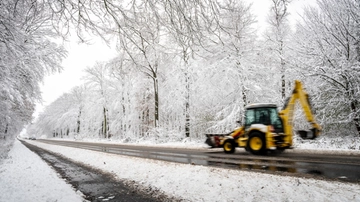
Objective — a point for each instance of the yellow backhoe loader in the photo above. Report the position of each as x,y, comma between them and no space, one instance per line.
266,129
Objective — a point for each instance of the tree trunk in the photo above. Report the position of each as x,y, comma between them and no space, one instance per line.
282,63
283,85
105,124
156,98
187,105
356,118
6,128
244,97
78,123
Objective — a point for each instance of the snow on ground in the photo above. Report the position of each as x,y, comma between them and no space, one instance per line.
25,177
199,183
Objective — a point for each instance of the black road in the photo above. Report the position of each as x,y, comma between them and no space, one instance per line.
96,185
321,166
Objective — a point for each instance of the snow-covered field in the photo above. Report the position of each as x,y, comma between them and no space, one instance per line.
25,177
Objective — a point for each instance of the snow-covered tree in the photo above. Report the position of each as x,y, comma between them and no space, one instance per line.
328,41
97,79
205,51
27,53
229,71
277,41
199,62
141,40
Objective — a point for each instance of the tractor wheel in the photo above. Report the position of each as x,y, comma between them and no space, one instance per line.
229,146
256,143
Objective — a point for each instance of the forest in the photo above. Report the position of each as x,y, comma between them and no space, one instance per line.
183,67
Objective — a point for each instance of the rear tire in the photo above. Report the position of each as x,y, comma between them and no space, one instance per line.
229,146
256,143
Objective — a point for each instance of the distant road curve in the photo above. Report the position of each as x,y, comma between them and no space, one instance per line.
341,167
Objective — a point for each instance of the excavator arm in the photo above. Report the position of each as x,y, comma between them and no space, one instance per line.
287,113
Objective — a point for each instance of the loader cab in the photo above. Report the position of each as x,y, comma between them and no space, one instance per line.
264,114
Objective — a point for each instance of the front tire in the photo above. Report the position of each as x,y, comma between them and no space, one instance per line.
256,143
229,146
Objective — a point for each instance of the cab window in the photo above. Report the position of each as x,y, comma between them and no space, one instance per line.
249,117
258,115
275,120
266,116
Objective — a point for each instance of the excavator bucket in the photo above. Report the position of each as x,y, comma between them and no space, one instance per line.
308,134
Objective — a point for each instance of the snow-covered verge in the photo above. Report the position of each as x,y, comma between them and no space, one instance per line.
25,177
199,183
340,143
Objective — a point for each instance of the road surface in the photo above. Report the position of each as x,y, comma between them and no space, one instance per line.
321,166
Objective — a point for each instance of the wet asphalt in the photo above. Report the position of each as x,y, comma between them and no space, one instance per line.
339,167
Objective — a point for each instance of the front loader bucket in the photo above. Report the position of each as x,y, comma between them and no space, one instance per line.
213,140
209,142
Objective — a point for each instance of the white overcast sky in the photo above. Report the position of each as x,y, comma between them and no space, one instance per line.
81,56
